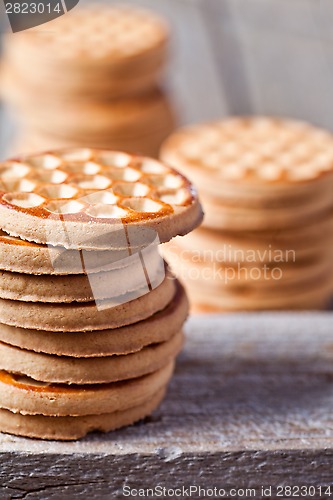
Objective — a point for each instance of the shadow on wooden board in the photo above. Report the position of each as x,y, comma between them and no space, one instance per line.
251,404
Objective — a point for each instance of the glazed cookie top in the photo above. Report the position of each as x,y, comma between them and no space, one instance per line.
252,151
97,33
79,198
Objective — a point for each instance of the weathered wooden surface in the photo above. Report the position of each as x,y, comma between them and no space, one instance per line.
251,404
252,399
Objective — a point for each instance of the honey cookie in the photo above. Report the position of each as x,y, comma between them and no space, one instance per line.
24,395
72,428
66,370
59,198
159,327
88,316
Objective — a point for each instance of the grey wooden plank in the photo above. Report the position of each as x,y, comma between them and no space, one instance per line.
251,404
101,477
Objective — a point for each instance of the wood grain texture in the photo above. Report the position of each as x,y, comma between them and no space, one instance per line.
251,404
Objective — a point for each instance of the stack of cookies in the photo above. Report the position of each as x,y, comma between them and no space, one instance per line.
90,78
91,317
266,187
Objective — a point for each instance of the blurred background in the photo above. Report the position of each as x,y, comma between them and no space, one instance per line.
242,57
238,57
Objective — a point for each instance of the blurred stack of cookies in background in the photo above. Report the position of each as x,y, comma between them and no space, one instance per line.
90,78
90,316
266,188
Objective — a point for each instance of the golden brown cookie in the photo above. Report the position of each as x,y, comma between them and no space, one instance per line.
99,286
24,395
66,370
88,316
95,51
265,185
256,162
313,296
71,428
256,173
121,119
90,199
221,216
146,143
159,327
20,256
307,242
267,277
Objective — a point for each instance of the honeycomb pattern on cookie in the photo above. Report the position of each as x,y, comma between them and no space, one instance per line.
91,184
99,31
261,149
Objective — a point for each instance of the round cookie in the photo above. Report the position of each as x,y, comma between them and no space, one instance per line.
255,162
95,51
108,284
142,143
65,370
159,327
58,198
265,291
266,187
120,120
88,316
26,257
72,428
223,217
315,296
226,246
23,395
230,276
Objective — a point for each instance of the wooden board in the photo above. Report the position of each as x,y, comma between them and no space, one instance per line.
251,404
